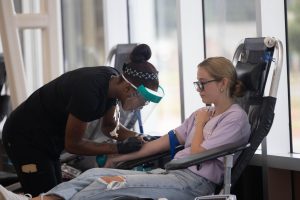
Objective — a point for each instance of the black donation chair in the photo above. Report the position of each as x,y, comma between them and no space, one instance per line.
254,59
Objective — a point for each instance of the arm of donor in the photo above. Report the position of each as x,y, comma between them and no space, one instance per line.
150,148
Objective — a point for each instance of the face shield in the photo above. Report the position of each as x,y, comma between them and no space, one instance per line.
142,97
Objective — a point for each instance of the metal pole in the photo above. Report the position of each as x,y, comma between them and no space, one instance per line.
227,174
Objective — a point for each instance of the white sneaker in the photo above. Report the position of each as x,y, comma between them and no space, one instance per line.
8,195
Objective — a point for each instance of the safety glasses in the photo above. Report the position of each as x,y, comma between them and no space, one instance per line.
199,85
148,94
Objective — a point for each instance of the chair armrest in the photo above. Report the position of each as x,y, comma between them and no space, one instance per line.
133,163
66,157
210,154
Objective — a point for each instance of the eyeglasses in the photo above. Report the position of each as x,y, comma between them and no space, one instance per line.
199,86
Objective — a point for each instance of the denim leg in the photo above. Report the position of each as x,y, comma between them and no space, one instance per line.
68,189
178,184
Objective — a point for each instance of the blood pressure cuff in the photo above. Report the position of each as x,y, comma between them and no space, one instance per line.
173,143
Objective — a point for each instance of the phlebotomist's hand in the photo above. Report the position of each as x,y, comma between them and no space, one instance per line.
129,145
146,138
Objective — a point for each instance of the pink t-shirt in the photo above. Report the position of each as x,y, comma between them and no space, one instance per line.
228,127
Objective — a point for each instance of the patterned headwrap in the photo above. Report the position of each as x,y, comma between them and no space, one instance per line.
142,75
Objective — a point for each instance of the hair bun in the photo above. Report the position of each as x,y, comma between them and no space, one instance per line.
140,53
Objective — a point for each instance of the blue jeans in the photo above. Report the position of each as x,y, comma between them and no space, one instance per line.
176,184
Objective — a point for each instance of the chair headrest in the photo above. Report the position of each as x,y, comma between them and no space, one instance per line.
250,74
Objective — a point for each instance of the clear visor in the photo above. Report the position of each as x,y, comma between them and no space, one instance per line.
135,102
148,94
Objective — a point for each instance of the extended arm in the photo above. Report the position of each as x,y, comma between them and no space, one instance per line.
150,148
76,144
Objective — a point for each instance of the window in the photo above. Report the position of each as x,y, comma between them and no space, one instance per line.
83,33
227,22
293,19
154,22
31,45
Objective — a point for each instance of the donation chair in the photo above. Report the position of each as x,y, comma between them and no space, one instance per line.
254,58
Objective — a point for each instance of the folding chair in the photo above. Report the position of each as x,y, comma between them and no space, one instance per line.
254,59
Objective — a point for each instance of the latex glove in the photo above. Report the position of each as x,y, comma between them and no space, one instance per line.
129,145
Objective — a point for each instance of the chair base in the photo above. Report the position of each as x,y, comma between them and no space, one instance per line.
217,197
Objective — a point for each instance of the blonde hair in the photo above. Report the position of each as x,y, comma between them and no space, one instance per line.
221,67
